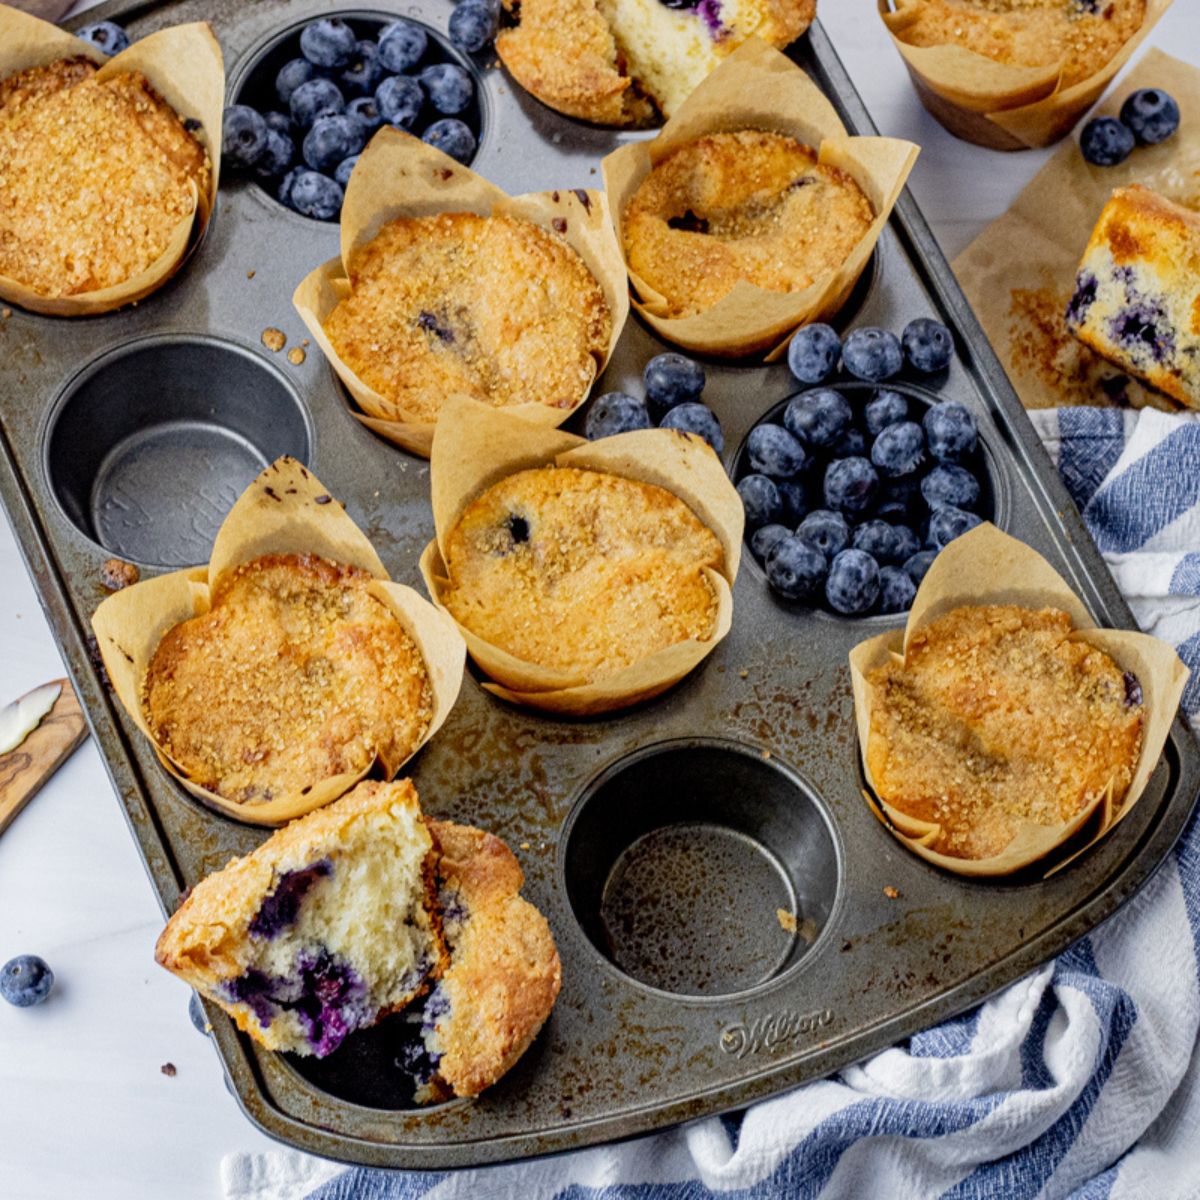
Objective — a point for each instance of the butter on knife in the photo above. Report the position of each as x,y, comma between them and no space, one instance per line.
21,717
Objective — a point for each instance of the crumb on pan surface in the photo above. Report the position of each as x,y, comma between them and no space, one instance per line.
581,570
494,308
996,717
1081,34
297,673
95,177
749,205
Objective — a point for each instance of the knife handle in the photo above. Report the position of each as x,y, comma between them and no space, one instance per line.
25,769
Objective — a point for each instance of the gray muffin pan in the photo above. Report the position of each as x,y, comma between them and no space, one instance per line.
660,842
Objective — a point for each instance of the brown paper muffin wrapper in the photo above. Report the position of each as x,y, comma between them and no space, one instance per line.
400,176
284,511
1000,105
184,65
986,566
757,87
477,446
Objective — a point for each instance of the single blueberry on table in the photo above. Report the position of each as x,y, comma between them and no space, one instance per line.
473,25
851,444
899,450
279,155
291,76
928,345
25,980
950,431
1151,114
315,99
361,75
197,1014
400,99
332,139
365,110
698,419
795,568
883,409
760,501
401,46
879,540
896,590
950,484
105,36
853,583
819,418
851,485
280,122
947,523
343,171
452,137
328,42
671,379
775,452
916,566
813,353
448,87
615,412
315,195
872,354
243,136
763,540
1105,142
827,530
795,504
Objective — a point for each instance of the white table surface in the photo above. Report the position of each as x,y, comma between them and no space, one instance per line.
85,1110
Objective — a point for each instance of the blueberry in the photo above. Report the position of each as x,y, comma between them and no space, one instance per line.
105,36
794,503
473,26
819,418
916,566
365,110
291,76
853,583
315,195
896,590
400,99
696,418
615,412
671,379
813,353
907,543
279,155
765,539
928,345
775,452
950,431
283,193
883,409
1105,141
25,980
328,42
243,136
280,122
947,523
452,137
1151,115
899,449
401,46
448,86
851,444
948,484
872,354
904,496
760,500
361,75
197,1014
795,568
826,530
332,139
879,540
851,485
343,171
315,99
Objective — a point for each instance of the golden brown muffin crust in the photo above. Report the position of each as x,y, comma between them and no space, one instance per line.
748,205
998,716
493,308
297,673
95,177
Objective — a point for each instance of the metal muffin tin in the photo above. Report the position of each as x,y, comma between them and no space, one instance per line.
659,842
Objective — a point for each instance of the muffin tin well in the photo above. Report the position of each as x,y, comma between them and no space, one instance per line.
661,843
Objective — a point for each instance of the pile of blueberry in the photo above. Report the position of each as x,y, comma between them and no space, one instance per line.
673,385
340,90
1148,116
851,490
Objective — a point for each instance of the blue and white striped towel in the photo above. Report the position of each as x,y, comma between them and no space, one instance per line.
1079,1081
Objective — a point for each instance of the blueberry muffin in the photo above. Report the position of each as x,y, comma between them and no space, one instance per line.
580,571
330,925
616,62
997,717
493,308
95,177
297,673
750,206
1082,35
1137,293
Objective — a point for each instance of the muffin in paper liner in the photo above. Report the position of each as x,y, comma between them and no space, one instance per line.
397,176
477,446
1001,105
284,511
184,66
984,567
758,88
